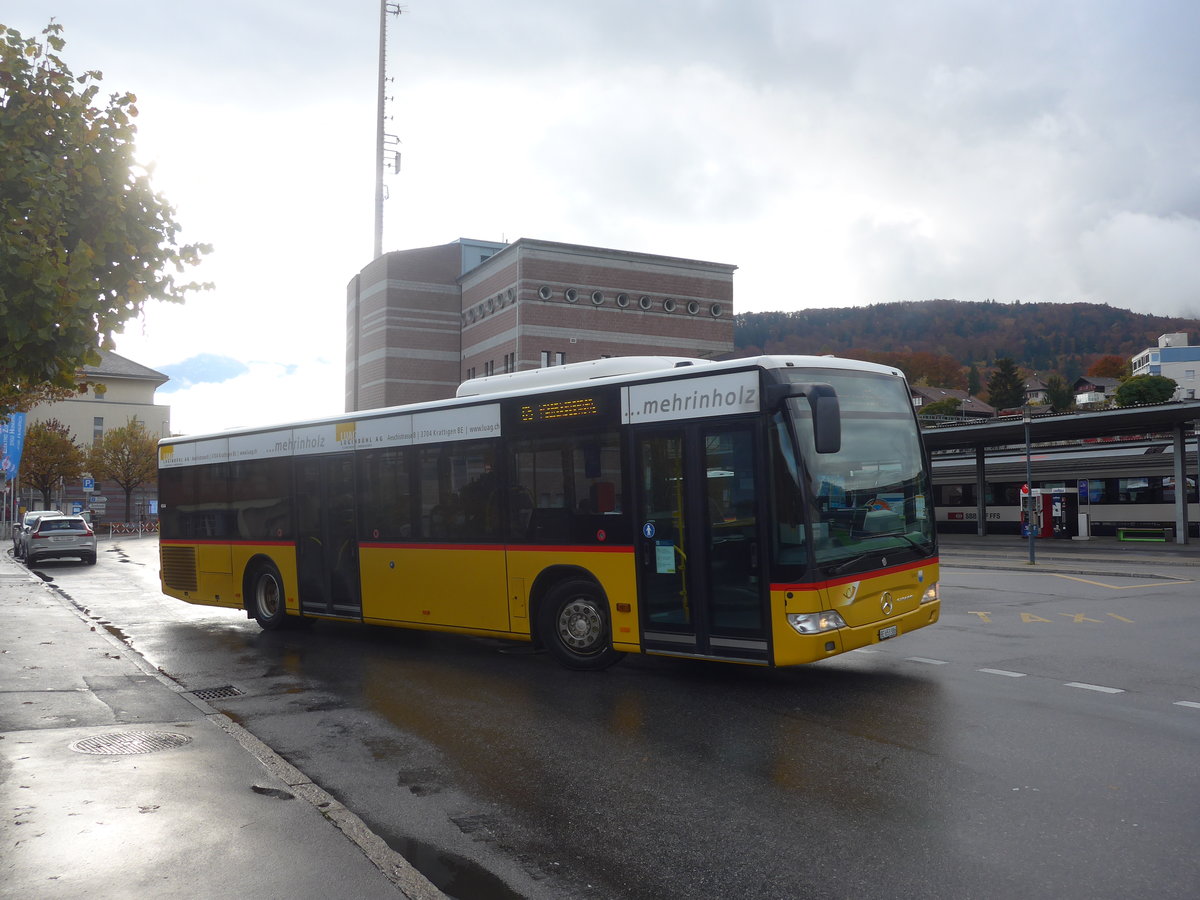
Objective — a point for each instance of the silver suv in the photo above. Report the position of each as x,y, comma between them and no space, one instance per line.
54,537
21,529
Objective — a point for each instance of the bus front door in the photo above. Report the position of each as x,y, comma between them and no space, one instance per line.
327,537
701,586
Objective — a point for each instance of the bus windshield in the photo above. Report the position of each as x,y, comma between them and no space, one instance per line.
869,501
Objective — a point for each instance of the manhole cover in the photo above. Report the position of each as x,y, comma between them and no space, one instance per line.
217,693
129,742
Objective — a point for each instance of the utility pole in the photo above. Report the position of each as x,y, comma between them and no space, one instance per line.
382,139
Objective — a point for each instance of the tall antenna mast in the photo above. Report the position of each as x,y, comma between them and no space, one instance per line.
382,138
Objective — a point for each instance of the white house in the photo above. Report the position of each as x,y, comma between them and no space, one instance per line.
1173,358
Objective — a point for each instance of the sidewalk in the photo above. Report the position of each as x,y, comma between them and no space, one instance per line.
115,783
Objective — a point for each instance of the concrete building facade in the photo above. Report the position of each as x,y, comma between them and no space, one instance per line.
1173,358
119,390
419,322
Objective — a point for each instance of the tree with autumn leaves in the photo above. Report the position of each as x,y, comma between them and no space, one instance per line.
87,242
50,457
127,456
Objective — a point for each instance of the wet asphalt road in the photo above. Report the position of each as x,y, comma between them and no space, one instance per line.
1038,742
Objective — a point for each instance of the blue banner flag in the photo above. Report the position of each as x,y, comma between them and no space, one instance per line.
12,439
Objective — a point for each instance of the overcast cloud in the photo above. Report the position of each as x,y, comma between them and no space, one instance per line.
838,153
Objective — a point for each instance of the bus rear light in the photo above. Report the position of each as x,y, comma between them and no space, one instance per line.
930,594
624,607
816,623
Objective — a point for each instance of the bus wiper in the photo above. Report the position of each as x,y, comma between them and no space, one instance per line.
853,560
839,568
923,546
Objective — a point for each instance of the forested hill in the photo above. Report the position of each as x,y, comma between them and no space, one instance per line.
1041,337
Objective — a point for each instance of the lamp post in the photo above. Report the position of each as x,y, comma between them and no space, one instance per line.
1026,415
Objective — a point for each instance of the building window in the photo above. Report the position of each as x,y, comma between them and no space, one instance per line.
489,367
510,362
470,373
553,358
97,428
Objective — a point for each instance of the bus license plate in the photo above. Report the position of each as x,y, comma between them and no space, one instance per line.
890,632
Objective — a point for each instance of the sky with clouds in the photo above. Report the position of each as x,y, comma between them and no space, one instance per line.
839,153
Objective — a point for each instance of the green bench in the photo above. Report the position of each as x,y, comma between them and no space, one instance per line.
1143,534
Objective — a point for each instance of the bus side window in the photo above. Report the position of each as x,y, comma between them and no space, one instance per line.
460,492
565,489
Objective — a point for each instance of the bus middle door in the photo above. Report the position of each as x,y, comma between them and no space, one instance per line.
701,587
327,536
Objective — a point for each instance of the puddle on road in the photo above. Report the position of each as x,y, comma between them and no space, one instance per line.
118,634
457,877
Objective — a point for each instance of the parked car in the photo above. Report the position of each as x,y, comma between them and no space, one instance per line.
21,529
55,537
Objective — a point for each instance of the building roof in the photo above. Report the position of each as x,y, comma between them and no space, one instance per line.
1096,381
583,251
971,406
115,366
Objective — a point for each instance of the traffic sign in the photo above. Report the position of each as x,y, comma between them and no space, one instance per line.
89,485
1025,489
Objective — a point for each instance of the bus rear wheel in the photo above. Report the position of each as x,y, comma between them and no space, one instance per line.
573,625
266,598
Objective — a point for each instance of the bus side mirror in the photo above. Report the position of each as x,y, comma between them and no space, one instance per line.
826,411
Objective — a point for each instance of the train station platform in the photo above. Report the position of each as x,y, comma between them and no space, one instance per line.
1095,556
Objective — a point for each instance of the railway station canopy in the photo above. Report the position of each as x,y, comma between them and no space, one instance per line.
1159,418
1177,419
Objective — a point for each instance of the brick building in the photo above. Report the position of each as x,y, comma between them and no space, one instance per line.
419,322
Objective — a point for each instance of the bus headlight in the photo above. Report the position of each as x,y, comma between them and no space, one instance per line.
815,623
930,594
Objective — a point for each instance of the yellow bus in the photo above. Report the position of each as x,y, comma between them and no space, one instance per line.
768,511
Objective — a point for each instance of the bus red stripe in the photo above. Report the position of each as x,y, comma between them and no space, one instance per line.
511,548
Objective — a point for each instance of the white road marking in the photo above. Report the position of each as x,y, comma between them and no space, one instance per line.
932,662
1094,687
1192,703
1002,672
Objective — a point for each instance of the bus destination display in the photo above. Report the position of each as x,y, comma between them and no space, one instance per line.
551,410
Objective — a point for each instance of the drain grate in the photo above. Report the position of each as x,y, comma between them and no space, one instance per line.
217,693
130,742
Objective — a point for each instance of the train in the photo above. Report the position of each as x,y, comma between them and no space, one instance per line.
1104,486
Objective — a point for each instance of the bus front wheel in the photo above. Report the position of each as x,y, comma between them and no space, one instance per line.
573,625
266,598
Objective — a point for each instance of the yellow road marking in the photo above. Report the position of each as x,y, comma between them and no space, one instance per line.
1120,587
